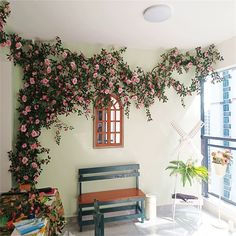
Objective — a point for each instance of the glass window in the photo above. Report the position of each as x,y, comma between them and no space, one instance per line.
219,112
108,125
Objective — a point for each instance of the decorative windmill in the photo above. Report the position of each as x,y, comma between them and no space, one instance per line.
186,139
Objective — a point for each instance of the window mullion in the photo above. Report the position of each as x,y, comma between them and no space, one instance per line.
109,125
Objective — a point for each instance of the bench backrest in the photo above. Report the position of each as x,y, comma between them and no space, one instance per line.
108,172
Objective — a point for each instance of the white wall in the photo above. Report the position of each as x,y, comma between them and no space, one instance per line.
228,50
5,123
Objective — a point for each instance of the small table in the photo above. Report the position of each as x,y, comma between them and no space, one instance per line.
16,205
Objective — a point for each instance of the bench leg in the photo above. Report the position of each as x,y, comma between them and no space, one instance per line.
99,223
80,219
142,211
137,207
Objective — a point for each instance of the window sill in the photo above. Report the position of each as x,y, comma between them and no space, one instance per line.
228,211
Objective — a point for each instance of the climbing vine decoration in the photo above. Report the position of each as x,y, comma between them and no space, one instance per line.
59,82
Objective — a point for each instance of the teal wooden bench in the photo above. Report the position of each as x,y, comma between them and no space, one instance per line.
110,200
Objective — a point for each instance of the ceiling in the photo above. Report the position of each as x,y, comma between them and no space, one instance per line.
120,22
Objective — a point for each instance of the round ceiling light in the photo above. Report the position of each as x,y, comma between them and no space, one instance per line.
157,13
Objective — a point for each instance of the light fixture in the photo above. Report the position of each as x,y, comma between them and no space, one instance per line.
157,13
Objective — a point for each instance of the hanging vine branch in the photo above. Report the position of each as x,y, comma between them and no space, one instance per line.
59,82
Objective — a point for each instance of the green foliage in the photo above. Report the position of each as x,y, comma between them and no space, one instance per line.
188,171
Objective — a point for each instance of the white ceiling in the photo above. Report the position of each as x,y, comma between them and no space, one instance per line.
120,22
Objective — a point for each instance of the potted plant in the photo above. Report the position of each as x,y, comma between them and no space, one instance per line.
220,160
188,171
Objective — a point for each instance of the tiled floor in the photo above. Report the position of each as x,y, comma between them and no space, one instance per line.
187,223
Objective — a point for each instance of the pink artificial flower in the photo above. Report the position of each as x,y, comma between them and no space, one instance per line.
112,71
126,98
84,66
151,86
209,68
152,92
109,56
178,87
74,81
8,42
18,45
95,75
36,177
73,65
120,90
28,109
44,97
79,99
64,54
59,67
23,128
26,177
47,62
24,98
32,80
96,67
65,103
136,79
36,107
49,70
44,81
128,81
25,113
107,91
3,44
37,121
34,165
110,84
34,133
190,64
33,146
134,97
24,160
24,145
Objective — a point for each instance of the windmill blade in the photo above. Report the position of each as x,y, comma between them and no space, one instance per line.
198,153
178,129
195,129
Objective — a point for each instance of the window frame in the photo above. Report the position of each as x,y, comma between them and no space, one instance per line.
109,121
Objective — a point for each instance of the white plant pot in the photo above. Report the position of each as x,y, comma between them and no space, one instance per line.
220,170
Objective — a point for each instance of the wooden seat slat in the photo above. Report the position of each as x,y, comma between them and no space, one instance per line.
111,195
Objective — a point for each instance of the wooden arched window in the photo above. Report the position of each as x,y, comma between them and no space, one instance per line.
108,125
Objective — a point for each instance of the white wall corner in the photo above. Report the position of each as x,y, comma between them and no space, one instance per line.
5,123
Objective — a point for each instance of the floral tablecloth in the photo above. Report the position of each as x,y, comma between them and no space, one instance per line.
18,206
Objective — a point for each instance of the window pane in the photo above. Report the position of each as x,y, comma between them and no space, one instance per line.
117,115
113,115
220,114
99,127
113,140
99,115
104,115
105,138
99,138
113,126
117,126
117,138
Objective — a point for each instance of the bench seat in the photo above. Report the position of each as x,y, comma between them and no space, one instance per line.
111,196
127,202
